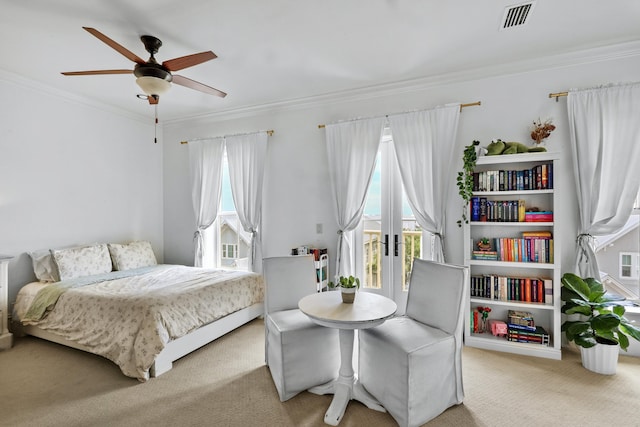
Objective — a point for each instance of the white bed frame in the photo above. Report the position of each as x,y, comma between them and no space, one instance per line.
175,349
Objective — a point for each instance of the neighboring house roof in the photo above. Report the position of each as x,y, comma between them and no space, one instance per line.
230,221
603,242
614,287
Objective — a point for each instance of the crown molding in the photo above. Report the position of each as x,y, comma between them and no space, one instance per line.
68,96
563,60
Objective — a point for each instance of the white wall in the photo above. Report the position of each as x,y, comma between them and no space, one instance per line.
296,193
71,173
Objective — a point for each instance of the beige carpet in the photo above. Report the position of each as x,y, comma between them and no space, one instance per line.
227,384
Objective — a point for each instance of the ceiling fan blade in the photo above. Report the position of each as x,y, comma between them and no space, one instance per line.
94,72
114,45
192,84
176,64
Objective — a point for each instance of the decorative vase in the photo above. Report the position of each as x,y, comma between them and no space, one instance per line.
484,325
348,295
601,358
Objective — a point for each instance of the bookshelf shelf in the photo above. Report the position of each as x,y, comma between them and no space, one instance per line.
513,304
535,265
507,283
511,224
512,192
489,342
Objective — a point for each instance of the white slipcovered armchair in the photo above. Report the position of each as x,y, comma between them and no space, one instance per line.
413,363
299,353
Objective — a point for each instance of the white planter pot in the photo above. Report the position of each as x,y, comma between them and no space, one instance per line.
601,358
348,295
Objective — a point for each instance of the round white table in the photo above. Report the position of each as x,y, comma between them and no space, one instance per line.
327,309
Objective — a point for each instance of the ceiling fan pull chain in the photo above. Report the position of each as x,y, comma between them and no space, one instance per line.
155,126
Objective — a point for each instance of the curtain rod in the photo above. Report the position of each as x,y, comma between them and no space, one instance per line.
269,132
471,104
558,95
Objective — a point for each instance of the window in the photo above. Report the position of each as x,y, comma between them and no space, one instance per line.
229,250
618,257
629,265
227,243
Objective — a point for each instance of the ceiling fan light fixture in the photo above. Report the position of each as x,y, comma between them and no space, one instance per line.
153,85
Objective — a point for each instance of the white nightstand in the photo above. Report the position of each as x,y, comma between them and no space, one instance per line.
6,338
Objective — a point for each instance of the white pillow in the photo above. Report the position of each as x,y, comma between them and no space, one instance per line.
44,266
82,261
132,255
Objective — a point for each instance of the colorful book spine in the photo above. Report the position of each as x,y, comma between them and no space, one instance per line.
475,208
505,288
537,178
546,216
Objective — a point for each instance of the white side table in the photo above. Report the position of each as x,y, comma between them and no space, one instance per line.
327,309
6,338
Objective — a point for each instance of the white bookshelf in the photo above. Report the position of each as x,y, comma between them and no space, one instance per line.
545,315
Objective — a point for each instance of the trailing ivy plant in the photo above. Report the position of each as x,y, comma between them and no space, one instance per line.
465,178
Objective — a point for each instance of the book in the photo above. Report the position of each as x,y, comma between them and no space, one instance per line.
521,211
544,216
548,291
538,335
475,208
516,326
527,289
476,323
537,233
483,209
529,340
485,255
517,317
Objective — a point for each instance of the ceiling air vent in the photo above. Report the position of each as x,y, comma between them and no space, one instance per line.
516,15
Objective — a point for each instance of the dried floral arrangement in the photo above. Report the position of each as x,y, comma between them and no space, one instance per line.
541,130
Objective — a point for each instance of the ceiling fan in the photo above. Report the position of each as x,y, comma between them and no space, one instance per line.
154,79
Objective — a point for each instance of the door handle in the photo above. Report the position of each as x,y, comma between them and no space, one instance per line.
395,245
386,245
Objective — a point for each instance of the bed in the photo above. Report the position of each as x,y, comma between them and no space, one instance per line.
139,314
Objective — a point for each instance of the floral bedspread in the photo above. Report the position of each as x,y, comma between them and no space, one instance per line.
129,320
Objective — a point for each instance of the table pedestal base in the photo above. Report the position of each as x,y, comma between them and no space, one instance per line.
346,387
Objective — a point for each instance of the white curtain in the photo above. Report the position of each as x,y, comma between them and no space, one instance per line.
424,142
246,155
351,149
605,144
205,170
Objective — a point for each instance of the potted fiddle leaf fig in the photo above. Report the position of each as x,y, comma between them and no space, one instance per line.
601,326
348,286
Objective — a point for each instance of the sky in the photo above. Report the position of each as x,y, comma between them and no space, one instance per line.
374,200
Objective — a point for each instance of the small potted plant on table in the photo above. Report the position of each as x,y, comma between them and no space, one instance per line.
348,287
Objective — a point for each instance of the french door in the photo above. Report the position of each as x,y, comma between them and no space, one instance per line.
388,237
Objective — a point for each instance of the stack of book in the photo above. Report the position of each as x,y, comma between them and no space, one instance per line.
485,255
538,216
521,328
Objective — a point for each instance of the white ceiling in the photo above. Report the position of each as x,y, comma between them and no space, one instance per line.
279,51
